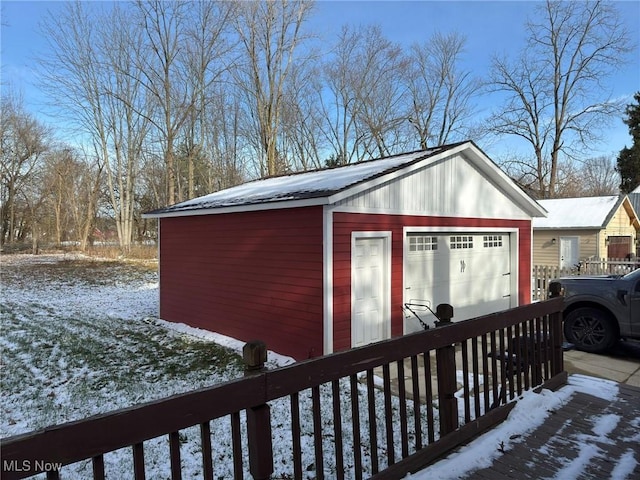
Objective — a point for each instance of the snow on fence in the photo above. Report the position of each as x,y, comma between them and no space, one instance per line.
542,275
380,411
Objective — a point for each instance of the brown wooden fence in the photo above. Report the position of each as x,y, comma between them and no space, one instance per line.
541,275
378,411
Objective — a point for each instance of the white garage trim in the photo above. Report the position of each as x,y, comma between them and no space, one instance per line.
327,280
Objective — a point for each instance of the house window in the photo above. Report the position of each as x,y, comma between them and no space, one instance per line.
422,243
490,241
460,242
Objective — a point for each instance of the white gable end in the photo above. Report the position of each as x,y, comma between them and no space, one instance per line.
452,186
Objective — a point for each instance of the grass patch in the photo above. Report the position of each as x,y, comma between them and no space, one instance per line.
79,338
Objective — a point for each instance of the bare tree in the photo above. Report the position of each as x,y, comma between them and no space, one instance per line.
223,140
164,74
94,74
183,42
362,104
555,99
34,199
73,186
598,176
302,140
338,98
440,93
379,91
207,57
59,173
23,141
270,33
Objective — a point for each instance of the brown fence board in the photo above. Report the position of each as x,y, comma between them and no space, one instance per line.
97,465
207,454
174,455
295,434
373,428
337,429
355,415
317,432
138,461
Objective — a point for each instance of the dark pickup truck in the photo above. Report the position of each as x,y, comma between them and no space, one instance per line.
600,310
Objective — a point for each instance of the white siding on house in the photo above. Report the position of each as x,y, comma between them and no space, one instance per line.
450,187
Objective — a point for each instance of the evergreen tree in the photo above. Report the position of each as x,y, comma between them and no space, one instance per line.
629,158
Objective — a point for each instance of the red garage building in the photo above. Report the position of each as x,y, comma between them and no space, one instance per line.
322,261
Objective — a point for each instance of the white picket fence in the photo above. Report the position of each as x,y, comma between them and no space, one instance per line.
541,275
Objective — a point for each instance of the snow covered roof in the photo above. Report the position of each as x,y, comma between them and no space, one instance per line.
297,186
326,185
579,213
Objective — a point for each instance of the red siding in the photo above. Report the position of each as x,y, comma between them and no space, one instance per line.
249,275
345,223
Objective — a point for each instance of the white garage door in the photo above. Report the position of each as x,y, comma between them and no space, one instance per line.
471,271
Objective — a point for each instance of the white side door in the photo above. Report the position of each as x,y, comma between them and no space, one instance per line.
569,252
370,290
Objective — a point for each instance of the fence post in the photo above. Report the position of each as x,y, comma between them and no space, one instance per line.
258,418
446,371
557,358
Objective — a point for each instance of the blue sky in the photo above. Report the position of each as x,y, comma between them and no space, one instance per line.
490,27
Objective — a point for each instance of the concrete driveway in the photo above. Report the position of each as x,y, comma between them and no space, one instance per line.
621,364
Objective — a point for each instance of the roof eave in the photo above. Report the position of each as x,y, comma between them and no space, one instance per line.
594,227
245,207
628,206
611,213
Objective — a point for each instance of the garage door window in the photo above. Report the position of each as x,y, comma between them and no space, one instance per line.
490,241
422,243
460,242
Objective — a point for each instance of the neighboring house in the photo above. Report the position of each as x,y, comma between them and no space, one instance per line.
322,261
576,229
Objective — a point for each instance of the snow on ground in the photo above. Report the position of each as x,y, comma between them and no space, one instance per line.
78,338
530,412
273,359
81,337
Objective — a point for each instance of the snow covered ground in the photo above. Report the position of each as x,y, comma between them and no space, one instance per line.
81,337
530,412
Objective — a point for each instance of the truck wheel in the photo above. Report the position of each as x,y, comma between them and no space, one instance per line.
590,329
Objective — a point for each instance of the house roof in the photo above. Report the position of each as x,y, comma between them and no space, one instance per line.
329,185
582,213
634,198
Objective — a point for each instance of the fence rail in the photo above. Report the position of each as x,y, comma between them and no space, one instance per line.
541,275
608,266
380,411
